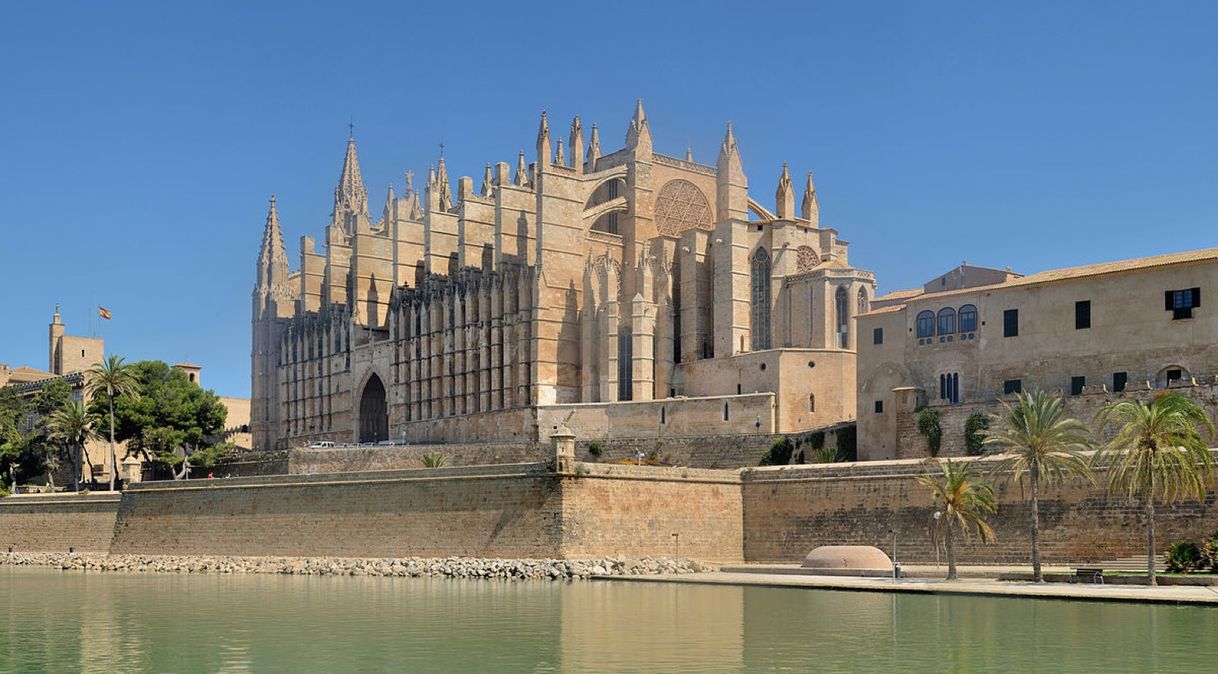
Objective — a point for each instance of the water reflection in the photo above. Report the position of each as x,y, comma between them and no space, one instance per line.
207,623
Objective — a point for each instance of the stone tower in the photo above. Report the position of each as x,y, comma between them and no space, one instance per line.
272,304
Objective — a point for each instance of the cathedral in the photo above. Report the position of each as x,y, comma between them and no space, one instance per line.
619,294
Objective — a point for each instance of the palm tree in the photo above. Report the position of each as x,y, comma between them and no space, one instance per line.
1035,437
1158,452
113,378
73,426
965,500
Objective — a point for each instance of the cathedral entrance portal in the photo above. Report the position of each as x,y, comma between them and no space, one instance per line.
373,412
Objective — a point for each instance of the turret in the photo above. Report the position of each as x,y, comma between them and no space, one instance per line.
732,199
350,196
272,278
487,181
784,197
810,209
594,149
638,134
522,171
576,145
443,187
544,151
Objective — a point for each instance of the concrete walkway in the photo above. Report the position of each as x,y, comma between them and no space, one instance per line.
1204,596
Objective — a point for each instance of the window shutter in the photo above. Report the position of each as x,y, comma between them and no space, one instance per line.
1196,297
1167,303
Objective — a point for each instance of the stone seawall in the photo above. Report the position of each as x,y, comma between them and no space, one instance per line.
84,522
793,509
315,460
488,511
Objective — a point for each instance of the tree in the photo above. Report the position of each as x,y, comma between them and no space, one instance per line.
113,379
965,501
1036,438
12,442
173,422
1158,452
44,451
72,425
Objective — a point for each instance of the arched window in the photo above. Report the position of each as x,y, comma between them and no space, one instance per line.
862,304
968,318
811,402
947,321
926,324
843,317
760,298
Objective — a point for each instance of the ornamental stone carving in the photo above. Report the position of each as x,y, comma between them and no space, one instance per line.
681,206
805,259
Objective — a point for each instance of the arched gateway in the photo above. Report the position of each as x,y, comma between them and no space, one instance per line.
373,412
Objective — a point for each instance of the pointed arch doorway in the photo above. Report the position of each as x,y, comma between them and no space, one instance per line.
373,412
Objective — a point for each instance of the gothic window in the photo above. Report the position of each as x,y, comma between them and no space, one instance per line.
625,360
607,223
760,299
968,318
680,206
947,321
843,317
805,259
862,304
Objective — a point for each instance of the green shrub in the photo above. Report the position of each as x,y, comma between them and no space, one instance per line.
434,460
779,453
1209,553
1183,556
928,425
974,432
596,449
827,455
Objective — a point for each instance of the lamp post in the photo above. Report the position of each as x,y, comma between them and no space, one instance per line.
896,569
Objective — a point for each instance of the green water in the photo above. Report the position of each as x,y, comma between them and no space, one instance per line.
71,621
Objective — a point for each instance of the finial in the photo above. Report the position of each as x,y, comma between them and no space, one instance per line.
409,181
272,201
57,307
689,153
441,149
351,129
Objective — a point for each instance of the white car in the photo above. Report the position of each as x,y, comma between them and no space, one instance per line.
324,444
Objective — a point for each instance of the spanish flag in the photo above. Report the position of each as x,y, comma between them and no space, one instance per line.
103,312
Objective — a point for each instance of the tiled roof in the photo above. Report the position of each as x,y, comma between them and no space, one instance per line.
1064,274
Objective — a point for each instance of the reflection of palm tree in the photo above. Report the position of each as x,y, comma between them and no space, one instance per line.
965,500
113,378
72,425
1158,452
1036,437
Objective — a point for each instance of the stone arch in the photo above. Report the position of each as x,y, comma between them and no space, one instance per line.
887,371
1169,374
373,410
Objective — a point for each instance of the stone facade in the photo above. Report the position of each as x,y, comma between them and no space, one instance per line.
57,522
565,287
972,336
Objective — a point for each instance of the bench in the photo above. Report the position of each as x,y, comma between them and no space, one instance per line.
1089,574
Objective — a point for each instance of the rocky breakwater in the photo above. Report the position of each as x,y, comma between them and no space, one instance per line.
408,567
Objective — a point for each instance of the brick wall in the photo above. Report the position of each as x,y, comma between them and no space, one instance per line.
789,511
56,522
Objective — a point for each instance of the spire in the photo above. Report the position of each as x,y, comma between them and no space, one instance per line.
350,197
732,199
387,214
560,157
446,193
784,197
543,142
522,171
576,144
639,133
594,149
810,209
272,258
689,154
729,154
486,181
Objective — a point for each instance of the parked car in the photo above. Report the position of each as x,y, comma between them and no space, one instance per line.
324,444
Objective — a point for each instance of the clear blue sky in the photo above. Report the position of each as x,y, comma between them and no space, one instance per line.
139,141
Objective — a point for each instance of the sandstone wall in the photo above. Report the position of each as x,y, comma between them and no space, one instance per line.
57,522
631,511
791,510
717,415
313,460
493,511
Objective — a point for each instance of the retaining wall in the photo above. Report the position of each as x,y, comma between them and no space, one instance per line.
57,522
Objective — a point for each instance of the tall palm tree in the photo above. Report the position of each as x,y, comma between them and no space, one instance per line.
73,426
113,378
966,501
1158,452
1036,438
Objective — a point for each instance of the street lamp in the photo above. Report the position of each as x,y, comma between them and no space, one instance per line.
896,568
938,514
